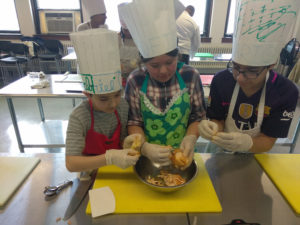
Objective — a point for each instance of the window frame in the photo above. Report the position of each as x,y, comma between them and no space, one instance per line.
227,38
207,20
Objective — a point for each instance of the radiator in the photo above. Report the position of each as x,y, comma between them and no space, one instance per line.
216,49
210,66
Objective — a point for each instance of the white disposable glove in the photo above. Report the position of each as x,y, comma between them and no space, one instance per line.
207,129
188,146
157,153
131,138
121,158
233,141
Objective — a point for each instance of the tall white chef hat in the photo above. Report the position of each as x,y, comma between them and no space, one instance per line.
122,22
179,8
98,57
262,28
151,25
93,7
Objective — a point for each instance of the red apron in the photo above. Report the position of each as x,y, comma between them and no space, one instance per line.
96,143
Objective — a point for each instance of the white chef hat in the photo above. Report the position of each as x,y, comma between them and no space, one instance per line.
262,28
179,8
122,22
98,57
93,7
151,25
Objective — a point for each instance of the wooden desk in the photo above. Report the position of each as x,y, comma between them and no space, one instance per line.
22,88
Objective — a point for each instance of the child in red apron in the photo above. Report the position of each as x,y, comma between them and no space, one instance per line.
97,127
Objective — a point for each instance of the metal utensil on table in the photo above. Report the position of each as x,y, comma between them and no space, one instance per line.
145,168
54,190
79,190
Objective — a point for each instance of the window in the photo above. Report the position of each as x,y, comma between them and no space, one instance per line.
200,6
112,14
58,4
229,26
200,10
9,15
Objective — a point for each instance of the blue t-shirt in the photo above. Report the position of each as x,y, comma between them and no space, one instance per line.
280,103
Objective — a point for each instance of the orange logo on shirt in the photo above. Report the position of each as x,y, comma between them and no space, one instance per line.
267,110
245,110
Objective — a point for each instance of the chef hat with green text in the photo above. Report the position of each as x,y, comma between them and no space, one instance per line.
98,57
262,28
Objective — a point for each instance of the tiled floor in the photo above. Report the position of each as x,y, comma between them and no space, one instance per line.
52,131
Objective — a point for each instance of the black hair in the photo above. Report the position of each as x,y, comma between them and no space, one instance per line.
122,34
190,8
172,53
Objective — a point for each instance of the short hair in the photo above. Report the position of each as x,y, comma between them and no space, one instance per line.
190,8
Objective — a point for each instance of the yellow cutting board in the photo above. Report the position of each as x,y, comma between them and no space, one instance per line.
133,196
13,171
284,171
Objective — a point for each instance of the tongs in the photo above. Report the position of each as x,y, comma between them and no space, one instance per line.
54,190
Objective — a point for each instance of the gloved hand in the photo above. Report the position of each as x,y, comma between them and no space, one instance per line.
157,153
188,146
233,141
207,129
121,158
128,141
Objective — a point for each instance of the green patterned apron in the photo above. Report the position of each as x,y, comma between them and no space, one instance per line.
168,127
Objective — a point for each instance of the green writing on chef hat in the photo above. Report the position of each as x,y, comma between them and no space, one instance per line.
88,83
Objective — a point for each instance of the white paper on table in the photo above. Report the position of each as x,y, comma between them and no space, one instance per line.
102,201
262,28
151,25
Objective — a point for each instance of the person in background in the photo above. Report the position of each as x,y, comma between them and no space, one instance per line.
188,34
98,126
165,97
295,73
250,105
129,53
97,14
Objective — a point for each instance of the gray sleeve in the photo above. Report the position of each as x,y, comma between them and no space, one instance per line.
123,110
76,132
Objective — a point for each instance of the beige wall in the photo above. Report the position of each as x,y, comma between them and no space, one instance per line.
25,17
219,13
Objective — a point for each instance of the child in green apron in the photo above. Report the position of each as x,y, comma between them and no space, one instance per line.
165,97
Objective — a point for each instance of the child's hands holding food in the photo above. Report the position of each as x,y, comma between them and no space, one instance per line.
207,129
157,153
122,158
